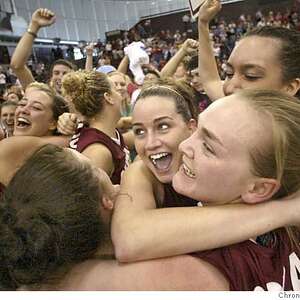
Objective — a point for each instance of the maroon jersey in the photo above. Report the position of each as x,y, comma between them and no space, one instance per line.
249,266
2,187
173,199
86,136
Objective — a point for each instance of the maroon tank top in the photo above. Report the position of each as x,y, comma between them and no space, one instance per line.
86,136
249,266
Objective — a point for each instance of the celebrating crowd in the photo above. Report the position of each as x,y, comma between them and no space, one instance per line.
176,171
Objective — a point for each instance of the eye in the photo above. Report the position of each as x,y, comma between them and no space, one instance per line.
229,74
21,103
207,148
37,107
138,131
251,77
163,126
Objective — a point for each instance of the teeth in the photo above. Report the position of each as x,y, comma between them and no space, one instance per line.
20,119
188,172
154,157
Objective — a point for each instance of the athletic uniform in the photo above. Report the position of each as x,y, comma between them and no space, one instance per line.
86,136
249,266
173,199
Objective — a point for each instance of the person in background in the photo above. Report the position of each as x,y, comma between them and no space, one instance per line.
42,17
7,116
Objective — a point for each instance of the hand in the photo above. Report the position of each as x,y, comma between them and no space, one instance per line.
42,17
125,123
67,123
208,10
110,191
89,49
190,46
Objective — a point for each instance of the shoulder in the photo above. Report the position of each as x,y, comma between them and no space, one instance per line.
182,272
138,172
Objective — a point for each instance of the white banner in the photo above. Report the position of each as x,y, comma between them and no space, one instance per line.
196,4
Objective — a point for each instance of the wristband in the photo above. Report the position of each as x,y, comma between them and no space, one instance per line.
32,33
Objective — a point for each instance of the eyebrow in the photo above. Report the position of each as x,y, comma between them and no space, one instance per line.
246,66
155,121
211,136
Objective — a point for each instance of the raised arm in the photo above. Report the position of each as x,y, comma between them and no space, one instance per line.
89,56
140,231
208,69
40,18
123,66
188,48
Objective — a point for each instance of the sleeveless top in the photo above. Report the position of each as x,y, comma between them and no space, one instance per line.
173,199
86,136
249,266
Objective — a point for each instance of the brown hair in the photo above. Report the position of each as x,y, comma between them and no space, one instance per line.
281,159
52,223
86,89
59,105
289,52
178,91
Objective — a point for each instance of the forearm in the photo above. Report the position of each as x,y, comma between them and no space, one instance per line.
89,63
123,66
21,55
172,231
208,69
170,68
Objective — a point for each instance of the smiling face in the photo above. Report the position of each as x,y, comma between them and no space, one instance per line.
254,64
58,73
158,130
217,164
8,116
34,114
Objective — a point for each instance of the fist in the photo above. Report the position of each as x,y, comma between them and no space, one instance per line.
43,17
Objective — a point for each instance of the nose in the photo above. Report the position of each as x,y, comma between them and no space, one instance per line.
24,109
231,85
186,146
152,142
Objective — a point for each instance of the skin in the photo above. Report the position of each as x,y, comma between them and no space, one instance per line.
13,97
218,154
120,84
250,68
158,128
36,108
196,81
58,73
8,116
253,63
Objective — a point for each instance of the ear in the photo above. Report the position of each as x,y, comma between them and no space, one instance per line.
108,204
108,98
293,87
192,125
261,190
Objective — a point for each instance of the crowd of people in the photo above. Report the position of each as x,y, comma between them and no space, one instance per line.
160,172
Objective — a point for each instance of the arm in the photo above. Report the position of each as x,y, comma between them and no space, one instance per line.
208,70
123,66
100,156
89,57
188,47
136,221
40,18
